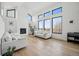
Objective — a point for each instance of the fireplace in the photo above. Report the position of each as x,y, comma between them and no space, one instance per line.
22,30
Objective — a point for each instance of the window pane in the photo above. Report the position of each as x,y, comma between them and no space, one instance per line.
57,22
57,11
29,17
40,26
47,24
48,14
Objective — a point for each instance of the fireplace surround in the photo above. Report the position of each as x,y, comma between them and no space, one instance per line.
22,30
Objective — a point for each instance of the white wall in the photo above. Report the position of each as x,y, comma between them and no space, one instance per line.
6,6
70,12
20,21
2,28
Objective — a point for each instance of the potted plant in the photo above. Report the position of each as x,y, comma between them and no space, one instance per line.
9,52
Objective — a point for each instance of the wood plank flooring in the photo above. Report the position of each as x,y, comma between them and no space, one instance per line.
52,47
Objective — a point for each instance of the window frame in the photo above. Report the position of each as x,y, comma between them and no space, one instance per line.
13,11
56,9
38,25
47,12
40,15
53,25
30,16
50,23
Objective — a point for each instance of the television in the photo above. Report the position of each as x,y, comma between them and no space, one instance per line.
22,30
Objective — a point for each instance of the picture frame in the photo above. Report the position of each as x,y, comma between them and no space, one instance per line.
11,13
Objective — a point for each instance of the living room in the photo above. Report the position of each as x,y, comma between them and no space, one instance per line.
30,26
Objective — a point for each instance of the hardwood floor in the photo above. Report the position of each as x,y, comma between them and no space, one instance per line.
52,47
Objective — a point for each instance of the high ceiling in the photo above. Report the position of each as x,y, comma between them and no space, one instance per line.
32,7
35,7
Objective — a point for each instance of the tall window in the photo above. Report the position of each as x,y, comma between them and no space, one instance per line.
56,21
41,24
29,17
57,11
47,24
57,25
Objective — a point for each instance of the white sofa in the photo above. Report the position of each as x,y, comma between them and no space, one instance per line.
42,34
13,40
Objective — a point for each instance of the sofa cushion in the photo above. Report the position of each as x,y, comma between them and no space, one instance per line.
7,37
